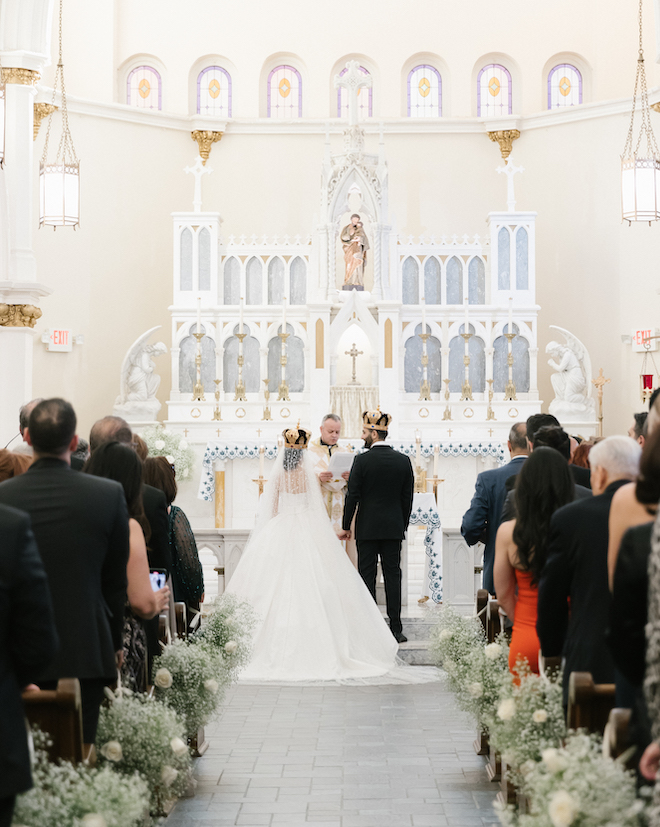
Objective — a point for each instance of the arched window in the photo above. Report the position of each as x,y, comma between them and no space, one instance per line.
144,88
295,362
284,93
365,98
432,281
214,92
185,259
494,92
412,363
275,280
454,281
232,285
564,86
503,259
253,285
477,281
520,350
204,259
298,281
410,281
187,367
424,92
522,259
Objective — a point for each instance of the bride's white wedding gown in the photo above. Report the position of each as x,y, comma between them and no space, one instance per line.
316,618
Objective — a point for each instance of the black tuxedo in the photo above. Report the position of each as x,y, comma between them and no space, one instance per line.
27,644
576,569
381,482
155,510
80,523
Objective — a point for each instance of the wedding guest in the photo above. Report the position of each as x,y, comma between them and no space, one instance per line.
543,485
187,573
118,462
23,416
140,447
80,456
81,527
650,761
581,455
28,643
637,429
482,519
576,568
13,464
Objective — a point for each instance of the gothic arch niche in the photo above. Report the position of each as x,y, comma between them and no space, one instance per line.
354,335
295,364
355,203
412,363
520,350
477,362
354,313
250,366
187,369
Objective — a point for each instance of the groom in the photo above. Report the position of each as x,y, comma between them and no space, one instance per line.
382,483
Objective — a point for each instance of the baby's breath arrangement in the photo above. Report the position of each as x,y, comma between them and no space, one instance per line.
228,630
65,795
485,672
453,641
138,734
177,450
577,785
192,681
527,719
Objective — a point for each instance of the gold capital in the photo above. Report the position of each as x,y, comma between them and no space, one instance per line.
41,111
505,138
26,77
656,106
19,315
205,139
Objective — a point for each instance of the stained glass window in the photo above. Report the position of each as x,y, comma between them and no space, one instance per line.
284,93
143,88
214,92
365,98
564,86
424,92
494,92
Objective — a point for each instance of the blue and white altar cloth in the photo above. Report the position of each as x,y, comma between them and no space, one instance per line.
249,449
425,512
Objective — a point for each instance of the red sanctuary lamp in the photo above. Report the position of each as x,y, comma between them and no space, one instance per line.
645,377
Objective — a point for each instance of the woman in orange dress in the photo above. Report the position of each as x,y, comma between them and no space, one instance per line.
543,485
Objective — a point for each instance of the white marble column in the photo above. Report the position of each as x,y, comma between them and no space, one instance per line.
15,377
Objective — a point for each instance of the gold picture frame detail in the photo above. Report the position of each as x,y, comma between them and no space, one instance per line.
240,412
195,413
285,413
513,412
423,412
468,413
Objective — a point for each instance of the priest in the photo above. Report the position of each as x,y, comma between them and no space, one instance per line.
333,489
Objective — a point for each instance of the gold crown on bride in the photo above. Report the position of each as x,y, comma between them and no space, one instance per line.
296,437
376,421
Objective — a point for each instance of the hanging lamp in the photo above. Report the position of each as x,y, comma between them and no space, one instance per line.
640,166
59,180
646,376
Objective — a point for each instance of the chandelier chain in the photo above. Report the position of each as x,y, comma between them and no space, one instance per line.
641,89
66,153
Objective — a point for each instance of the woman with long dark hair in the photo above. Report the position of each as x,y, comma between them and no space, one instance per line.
543,485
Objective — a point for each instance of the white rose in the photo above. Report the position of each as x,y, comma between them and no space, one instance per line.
168,775
553,759
159,444
493,651
539,716
94,820
184,473
183,444
112,751
563,809
170,459
163,678
230,647
445,634
476,690
211,686
178,746
506,709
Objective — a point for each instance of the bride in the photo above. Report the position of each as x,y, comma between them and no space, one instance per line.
316,618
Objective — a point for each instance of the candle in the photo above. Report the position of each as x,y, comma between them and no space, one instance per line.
262,450
467,324
418,453
423,315
510,314
199,315
280,441
436,460
284,314
240,316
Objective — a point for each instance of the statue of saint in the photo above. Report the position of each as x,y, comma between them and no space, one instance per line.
355,243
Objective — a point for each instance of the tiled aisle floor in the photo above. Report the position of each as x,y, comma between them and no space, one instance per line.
338,756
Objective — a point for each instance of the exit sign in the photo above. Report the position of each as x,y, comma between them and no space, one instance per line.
642,341
59,340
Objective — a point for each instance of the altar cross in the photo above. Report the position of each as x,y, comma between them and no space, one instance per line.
353,80
510,170
198,170
354,353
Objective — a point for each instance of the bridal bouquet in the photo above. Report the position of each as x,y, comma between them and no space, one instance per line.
576,785
176,449
65,795
228,630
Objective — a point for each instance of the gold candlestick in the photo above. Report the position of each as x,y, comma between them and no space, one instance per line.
600,381
266,397
425,387
283,391
436,482
239,391
198,389
447,412
466,393
510,390
261,481
420,480
490,413
217,415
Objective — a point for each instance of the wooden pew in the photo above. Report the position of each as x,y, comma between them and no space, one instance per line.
181,613
493,625
616,738
58,712
589,703
481,746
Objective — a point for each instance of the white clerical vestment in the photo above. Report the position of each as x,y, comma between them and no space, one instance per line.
333,492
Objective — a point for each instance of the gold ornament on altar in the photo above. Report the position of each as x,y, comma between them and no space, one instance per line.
490,413
266,414
198,390
217,415
447,412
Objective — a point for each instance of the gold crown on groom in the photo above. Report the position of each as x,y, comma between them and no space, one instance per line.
296,437
376,421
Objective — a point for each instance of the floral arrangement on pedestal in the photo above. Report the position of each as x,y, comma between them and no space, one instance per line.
65,795
176,449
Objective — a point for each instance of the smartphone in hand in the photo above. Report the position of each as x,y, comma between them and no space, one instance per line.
158,578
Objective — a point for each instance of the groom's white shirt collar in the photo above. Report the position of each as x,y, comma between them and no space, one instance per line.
379,442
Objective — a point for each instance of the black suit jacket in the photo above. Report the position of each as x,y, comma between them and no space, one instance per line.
509,508
483,517
381,482
155,510
80,523
576,568
27,641
581,476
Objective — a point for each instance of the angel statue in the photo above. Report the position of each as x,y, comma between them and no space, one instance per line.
139,384
572,380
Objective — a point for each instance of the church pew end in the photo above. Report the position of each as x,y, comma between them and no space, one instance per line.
589,703
198,743
481,606
616,738
493,627
549,667
181,613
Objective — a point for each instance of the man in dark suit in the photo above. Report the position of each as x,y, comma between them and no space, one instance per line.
381,482
28,643
80,524
483,517
576,568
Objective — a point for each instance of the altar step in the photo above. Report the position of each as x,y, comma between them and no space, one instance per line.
418,622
